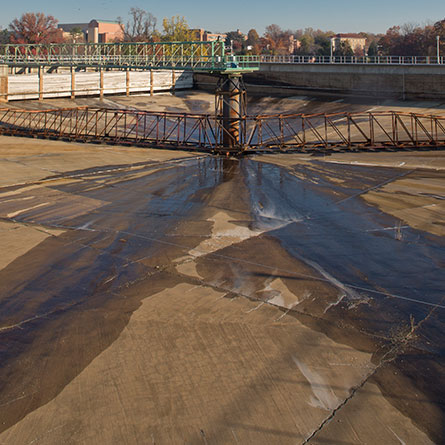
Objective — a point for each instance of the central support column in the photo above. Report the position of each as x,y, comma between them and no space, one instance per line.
231,110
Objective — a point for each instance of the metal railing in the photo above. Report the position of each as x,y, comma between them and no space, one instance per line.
207,56
181,55
367,130
349,60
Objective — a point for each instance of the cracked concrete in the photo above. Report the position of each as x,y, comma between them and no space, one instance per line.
171,311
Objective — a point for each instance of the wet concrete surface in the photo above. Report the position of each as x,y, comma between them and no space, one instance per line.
198,299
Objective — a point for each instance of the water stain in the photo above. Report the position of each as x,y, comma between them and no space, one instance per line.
251,229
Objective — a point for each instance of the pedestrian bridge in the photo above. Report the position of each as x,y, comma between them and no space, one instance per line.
205,132
196,56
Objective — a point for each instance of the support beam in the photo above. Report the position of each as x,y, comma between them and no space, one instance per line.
40,71
73,83
127,82
3,83
173,81
231,109
101,83
151,83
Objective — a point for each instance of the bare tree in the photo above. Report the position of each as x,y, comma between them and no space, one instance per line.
140,28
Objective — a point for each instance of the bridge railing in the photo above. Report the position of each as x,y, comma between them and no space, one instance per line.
181,55
349,60
366,130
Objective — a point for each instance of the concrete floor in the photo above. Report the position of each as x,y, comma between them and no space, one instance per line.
149,296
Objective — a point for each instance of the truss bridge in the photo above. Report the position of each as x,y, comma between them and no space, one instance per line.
210,133
196,56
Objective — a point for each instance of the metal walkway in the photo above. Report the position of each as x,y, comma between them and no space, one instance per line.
372,130
196,56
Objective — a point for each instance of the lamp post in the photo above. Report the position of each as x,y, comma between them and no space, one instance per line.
332,48
438,48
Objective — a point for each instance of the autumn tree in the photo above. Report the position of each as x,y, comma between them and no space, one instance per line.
175,29
276,40
439,30
35,28
140,28
235,40
412,40
253,42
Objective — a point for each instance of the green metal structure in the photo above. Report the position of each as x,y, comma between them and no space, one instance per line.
196,56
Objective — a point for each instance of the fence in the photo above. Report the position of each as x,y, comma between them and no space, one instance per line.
349,60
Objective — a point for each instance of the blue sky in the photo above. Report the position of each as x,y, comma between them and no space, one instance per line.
335,15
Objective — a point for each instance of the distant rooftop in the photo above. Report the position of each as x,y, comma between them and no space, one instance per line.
105,21
350,36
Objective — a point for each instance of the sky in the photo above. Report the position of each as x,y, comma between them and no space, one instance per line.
333,15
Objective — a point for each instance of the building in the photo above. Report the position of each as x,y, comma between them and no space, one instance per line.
104,31
213,37
74,32
96,31
356,42
206,36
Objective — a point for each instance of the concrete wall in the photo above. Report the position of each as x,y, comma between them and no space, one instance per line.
31,86
403,82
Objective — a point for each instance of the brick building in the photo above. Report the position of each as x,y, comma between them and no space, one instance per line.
96,31
207,36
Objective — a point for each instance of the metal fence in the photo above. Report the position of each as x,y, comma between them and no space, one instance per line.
371,130
349,60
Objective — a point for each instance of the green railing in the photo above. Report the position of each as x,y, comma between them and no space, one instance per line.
205,56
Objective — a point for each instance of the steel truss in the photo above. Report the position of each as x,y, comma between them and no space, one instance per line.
184,55
342,131
205,56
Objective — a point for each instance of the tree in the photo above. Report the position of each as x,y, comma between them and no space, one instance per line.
306,45
322,43
344,49
253,37
373,49
77,35
35,28
277,40
140,28
4,36
253,42
176,29
439,28
235,40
